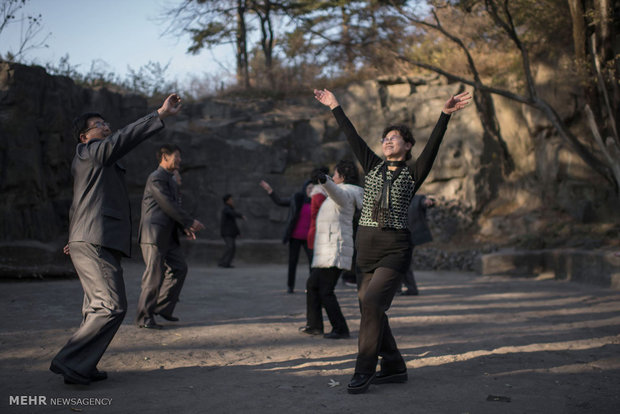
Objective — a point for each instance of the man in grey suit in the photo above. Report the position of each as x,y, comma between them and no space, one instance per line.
162,216
100,234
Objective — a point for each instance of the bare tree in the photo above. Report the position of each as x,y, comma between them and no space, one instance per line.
264,10
31,29
500,13
211,23
342,32
483,100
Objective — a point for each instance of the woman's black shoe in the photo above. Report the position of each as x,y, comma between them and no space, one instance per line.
310,331
382,377
359,383
336,335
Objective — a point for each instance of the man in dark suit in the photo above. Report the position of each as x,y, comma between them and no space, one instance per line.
229,230
420,234
161,218
100,234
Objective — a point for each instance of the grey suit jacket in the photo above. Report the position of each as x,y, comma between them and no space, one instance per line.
100,209
162,214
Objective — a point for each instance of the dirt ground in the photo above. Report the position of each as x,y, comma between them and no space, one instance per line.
472,344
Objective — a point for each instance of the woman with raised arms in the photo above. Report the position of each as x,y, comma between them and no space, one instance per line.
383,244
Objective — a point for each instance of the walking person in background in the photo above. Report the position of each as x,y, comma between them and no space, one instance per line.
333,250
229,230
161,219
420,234
383,240
317,196
100,235
297,226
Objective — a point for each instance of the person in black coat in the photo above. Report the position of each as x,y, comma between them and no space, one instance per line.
419,233
229,230
297,226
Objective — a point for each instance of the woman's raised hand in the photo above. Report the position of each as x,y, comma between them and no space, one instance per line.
266,186
456,103
326,98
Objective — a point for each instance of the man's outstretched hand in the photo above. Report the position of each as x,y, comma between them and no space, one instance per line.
171,106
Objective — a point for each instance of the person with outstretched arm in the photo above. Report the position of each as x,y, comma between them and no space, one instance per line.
100,234
383,240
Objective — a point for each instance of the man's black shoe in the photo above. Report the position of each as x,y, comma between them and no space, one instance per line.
94,377
168,317
336,335
98,376
310,331
70,376
359,383
409,292
382,377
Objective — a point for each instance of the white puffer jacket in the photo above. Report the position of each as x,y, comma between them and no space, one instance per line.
333,244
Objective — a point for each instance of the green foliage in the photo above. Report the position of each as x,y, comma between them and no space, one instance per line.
213,34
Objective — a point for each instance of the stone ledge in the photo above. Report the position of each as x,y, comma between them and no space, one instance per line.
596,267
29,259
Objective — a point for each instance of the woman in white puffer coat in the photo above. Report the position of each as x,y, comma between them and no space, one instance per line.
333,250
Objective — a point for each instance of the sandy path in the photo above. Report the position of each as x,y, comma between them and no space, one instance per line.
548,346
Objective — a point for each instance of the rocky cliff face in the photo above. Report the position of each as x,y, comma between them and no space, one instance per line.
230,145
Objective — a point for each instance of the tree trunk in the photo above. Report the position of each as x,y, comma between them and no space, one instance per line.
264,15
243,75
607,57
488,118
579,30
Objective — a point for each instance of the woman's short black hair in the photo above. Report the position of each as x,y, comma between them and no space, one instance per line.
404,131
348,171
226,198
80,124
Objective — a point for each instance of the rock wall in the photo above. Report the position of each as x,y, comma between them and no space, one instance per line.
229,145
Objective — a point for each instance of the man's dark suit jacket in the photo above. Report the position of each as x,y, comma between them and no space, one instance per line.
100,210
420,233
162,214
228,225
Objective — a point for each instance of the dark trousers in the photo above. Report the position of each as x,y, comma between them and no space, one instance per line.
376,291
103,309
409,279
229,251
162,281
320,294
293,257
